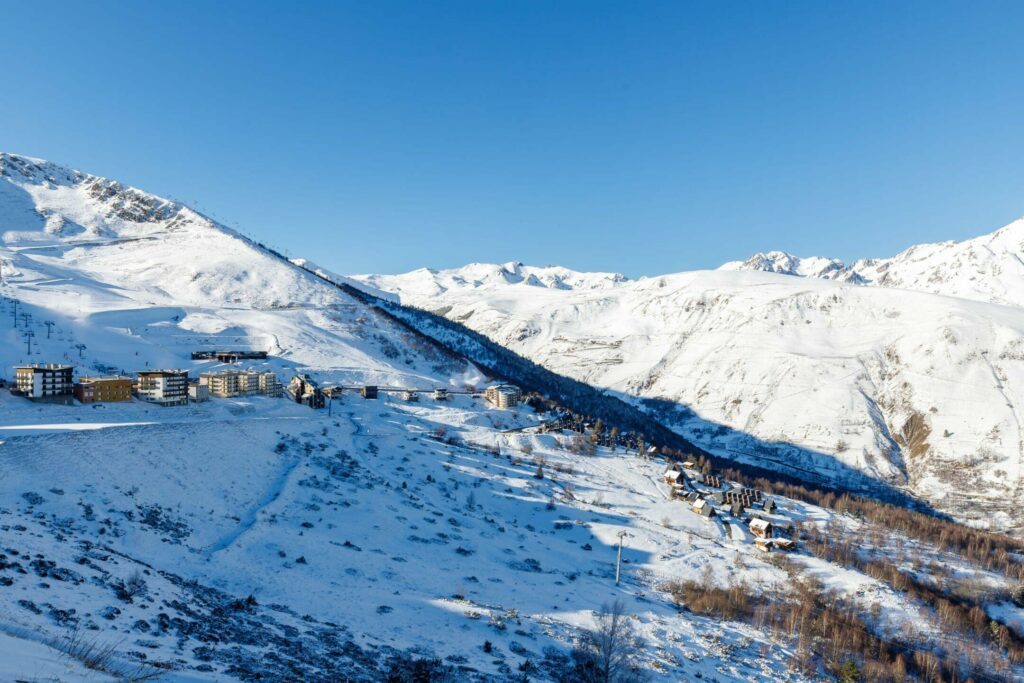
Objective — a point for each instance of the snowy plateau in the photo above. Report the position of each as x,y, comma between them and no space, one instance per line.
384,540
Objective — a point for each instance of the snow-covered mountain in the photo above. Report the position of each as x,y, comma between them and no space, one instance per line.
367,536
817,377
256,539
987,268
786,264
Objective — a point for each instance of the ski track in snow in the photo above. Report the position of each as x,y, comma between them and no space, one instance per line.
251,516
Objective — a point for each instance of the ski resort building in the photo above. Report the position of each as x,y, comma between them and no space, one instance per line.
440,394
369,391
47,382
105,389
229,356
231,383
303,389
503,395
198,393
163,387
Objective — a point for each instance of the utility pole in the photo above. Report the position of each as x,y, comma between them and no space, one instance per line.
618,560
15,312
28,340
82,347
49,327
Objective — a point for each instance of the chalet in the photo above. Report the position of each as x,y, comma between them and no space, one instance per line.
718,497
368,391
410,396
704,508
761,528
769,505
692,497
503,395
690,465
784,543
105,389
440,394
673,477
737,508
49,383
162,387
763,544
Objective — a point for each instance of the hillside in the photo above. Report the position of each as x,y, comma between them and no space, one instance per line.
865,387
256,539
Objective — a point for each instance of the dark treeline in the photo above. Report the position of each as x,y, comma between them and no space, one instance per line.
458,341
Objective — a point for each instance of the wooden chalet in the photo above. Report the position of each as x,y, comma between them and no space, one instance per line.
673,477
761,528
703,508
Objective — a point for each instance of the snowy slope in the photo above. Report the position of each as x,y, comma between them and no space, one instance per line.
142,282
360,535
987,268
257,539
863,386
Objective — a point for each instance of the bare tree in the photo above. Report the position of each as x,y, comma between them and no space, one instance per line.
610,653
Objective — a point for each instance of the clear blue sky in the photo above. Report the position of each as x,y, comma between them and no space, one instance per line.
640,137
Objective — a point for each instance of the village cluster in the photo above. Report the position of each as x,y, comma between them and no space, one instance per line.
709,496
55,383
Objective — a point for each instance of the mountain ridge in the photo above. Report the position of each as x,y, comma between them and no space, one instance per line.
883,361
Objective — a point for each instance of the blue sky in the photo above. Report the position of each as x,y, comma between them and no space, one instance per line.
636,137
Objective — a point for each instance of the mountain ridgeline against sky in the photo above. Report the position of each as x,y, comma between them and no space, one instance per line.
422,536
987,268
905,371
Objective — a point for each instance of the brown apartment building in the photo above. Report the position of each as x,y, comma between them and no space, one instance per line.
107,389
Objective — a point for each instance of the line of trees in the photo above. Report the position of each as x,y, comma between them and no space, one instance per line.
967,626
829,632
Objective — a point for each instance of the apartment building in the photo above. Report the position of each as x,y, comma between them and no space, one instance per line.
503,395
104,389
163,387
230,383
48,382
